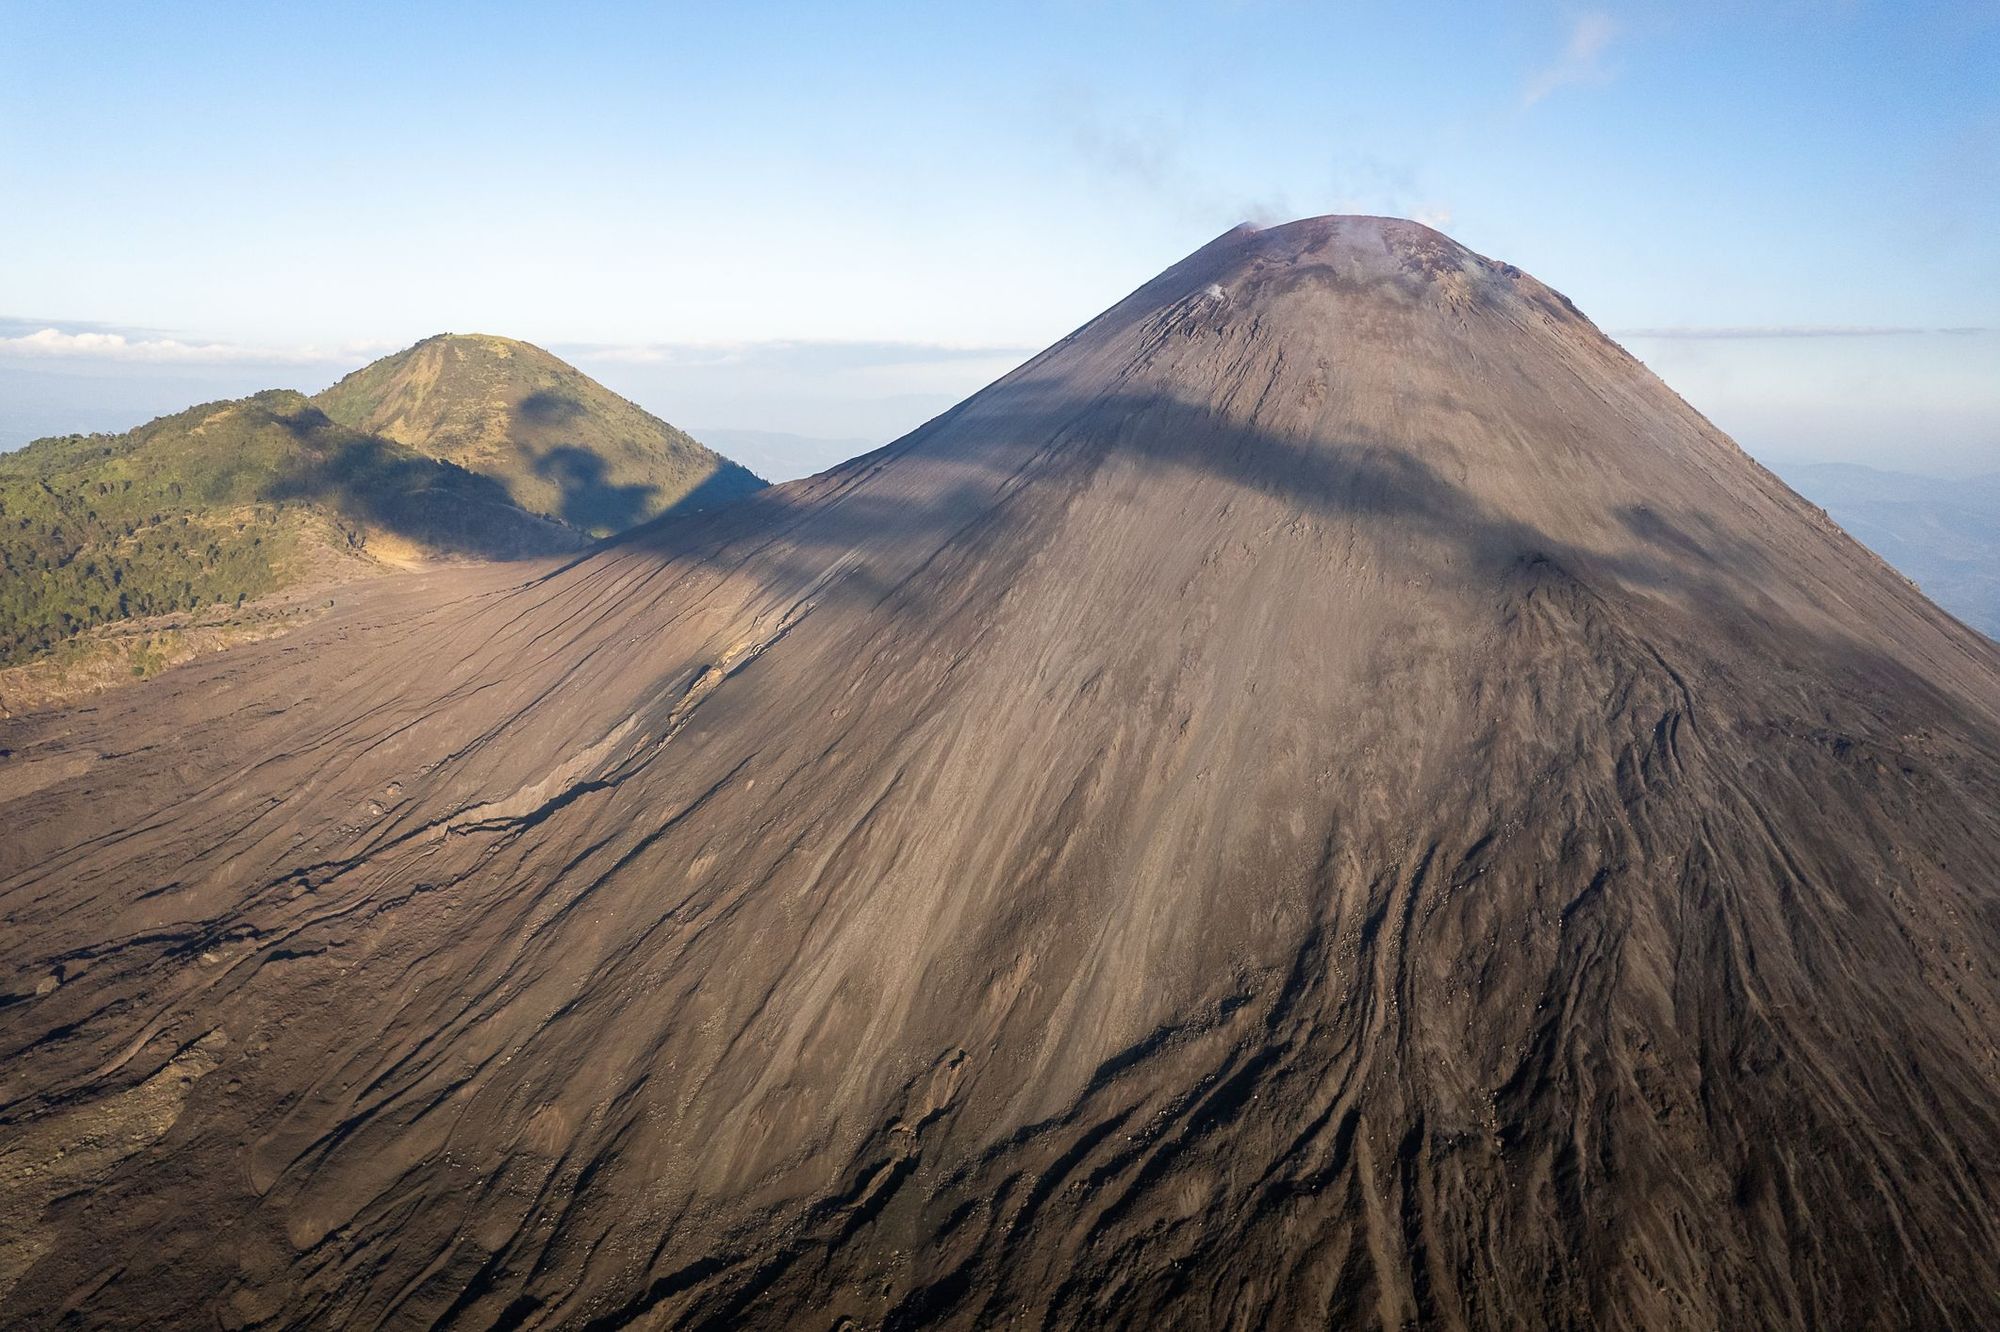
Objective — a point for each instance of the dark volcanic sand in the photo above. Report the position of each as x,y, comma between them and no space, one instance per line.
1329,797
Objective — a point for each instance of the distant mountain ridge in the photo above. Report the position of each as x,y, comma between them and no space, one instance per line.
1944,535
560,443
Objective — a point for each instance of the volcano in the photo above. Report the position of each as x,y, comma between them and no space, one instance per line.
1330,796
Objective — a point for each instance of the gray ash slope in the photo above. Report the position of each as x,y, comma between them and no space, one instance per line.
1330,795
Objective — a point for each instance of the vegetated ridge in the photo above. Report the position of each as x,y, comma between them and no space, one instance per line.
1328,797
222,503
558,441
231,501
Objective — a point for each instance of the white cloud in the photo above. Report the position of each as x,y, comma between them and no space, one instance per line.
647,353
1581,61
54,343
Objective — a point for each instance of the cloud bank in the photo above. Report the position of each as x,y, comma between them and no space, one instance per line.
56,344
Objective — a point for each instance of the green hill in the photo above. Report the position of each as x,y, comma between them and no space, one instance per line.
560,443
224,503
459,446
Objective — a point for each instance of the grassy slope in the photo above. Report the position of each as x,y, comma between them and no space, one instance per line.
220,504
561,443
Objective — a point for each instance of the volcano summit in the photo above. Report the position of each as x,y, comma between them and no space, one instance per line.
1328,797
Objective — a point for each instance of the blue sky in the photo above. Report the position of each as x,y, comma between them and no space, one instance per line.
835,219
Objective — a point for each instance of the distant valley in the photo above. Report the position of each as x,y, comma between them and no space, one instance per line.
1943,535
778,455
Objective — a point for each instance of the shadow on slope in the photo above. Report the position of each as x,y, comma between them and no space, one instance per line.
430,502
590,501
1448,534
